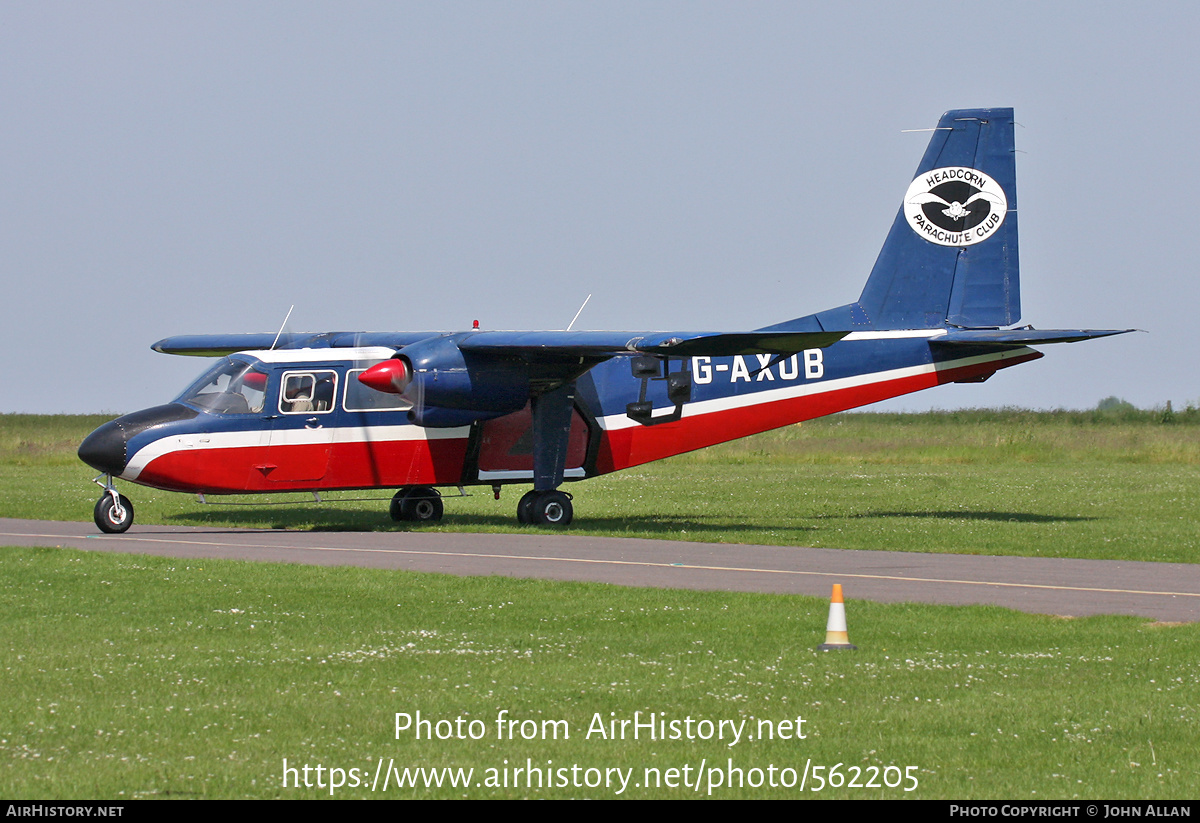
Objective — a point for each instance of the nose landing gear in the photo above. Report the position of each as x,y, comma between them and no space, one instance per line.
113,513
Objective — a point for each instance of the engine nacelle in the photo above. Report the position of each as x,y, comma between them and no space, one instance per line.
438,378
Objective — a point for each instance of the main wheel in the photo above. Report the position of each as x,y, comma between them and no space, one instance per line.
396,509
422,504
109,518
525,508
552,508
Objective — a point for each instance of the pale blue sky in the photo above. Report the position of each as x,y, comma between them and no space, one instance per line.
186,167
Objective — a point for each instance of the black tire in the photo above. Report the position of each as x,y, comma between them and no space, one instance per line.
525,508
106,517
422,505
396,509
553,509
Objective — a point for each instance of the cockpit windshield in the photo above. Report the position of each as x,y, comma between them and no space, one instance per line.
229,387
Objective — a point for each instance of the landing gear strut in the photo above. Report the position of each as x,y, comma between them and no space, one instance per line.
113,513
416,504
546,505
545,508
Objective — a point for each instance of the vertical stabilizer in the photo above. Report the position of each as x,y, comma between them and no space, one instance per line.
951,255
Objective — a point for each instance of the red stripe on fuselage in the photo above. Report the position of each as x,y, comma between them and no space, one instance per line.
361,465
633,446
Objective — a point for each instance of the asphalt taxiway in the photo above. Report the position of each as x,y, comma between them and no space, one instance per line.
1168,592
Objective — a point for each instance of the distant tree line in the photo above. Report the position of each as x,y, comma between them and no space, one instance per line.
1118,408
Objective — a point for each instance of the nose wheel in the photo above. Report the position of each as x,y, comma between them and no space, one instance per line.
113,513
545,508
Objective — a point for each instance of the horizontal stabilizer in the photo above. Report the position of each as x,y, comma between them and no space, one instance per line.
1022,337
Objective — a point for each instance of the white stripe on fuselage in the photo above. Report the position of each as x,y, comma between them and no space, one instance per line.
618,421
283,437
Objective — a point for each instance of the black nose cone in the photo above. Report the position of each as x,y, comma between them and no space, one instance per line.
107,448
104,449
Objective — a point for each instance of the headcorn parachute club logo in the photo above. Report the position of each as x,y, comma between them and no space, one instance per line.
955,206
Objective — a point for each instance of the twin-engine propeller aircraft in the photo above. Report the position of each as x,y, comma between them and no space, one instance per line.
417,410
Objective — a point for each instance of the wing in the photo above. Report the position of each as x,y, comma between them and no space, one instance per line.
607,344
533,345
220,345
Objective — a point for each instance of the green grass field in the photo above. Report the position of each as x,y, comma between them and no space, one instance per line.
130,676
133,677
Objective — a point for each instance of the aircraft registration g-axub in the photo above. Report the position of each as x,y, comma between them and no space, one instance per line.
413,411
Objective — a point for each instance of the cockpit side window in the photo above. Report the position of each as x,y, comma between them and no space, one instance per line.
230,387
308,392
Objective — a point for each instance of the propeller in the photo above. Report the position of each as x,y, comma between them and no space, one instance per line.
395,376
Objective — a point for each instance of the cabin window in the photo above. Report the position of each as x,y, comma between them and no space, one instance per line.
308,392
360,397
230,387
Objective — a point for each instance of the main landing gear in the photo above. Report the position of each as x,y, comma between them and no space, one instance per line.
546,505
544,508
113,513
416,504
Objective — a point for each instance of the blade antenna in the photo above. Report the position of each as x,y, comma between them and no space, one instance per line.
282,327
576,317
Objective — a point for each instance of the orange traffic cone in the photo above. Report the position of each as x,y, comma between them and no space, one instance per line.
836,636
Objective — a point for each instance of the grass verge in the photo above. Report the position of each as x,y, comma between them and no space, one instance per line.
143,677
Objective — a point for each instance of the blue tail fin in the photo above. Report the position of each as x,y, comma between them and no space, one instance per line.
951,255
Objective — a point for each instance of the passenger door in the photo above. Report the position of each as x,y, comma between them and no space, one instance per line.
303,426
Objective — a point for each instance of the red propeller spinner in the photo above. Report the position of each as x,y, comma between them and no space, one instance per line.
391,376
